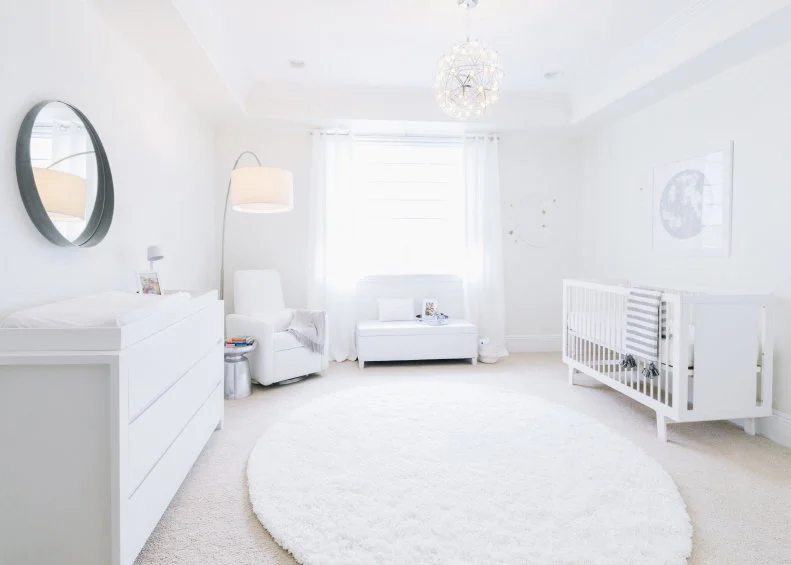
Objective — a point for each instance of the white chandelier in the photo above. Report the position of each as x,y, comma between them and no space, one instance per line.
469,76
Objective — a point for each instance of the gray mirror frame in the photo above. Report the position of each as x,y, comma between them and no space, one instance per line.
99,223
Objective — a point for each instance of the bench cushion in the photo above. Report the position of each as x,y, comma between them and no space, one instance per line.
376,328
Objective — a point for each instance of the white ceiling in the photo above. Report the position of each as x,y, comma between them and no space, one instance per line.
398,42
375,59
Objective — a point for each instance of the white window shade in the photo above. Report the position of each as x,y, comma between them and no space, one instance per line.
409,206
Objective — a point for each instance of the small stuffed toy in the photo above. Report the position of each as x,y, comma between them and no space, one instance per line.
628,362
650,372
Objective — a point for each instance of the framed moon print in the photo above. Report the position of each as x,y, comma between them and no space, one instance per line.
692,204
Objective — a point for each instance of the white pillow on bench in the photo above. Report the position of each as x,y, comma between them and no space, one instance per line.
396,309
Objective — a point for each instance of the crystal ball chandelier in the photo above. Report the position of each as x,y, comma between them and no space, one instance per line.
469,76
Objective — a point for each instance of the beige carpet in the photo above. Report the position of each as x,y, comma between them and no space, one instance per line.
737,488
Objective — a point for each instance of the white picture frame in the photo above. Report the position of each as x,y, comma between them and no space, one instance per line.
148,283
692,204
429,308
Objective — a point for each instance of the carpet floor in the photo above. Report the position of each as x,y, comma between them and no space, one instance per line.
428,473
737,488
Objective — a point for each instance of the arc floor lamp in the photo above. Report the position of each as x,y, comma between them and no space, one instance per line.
255,190
63,194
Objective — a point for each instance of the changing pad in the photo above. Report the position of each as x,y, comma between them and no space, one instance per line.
105,310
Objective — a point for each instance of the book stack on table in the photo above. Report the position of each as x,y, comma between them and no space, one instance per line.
240,341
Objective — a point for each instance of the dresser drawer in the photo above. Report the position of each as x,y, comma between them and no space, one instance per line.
148,503
156,363
154,430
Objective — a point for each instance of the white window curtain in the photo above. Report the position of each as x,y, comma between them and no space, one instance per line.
484,280
334,268
332,271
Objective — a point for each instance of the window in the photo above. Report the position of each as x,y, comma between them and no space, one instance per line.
409,206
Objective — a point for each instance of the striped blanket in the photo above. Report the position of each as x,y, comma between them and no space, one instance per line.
643,323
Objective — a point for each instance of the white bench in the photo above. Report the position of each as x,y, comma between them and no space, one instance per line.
411,341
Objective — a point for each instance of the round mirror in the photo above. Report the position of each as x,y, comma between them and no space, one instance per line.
63,174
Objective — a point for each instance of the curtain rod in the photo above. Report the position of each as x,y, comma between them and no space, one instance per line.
425,136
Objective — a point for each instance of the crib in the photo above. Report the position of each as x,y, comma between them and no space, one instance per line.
714,359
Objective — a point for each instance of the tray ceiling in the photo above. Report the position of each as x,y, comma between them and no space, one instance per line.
375,59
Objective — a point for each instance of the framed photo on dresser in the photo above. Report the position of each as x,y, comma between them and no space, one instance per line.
148,283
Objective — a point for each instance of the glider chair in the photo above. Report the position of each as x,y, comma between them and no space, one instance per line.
259,311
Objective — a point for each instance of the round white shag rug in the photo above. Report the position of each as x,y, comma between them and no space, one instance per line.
435,474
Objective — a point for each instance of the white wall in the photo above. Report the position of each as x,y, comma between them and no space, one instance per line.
750,104
538,172
528,165
160,152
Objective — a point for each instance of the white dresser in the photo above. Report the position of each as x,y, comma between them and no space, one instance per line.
99,427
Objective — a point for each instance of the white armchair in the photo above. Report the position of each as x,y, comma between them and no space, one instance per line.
259,311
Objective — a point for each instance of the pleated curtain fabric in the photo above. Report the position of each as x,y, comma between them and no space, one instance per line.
332,276
484,279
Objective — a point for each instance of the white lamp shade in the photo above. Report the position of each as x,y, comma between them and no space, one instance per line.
154,253
62,194
262,190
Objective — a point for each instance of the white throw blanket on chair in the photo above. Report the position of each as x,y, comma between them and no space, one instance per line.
308,327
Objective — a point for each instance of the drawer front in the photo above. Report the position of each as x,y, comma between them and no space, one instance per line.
156,363
154,430
151,499
407,348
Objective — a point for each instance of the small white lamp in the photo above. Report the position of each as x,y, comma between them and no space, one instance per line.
256,190
154,253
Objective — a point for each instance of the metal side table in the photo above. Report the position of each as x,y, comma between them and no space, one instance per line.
238,383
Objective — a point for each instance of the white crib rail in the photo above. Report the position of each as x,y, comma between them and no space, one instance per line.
732,350
594,324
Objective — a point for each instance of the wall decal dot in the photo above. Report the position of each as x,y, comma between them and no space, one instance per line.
534,219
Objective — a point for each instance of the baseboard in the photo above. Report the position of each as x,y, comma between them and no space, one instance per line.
533,343
776,427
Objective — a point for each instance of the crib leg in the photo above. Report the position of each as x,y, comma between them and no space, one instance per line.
661,427
749,426
571,375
